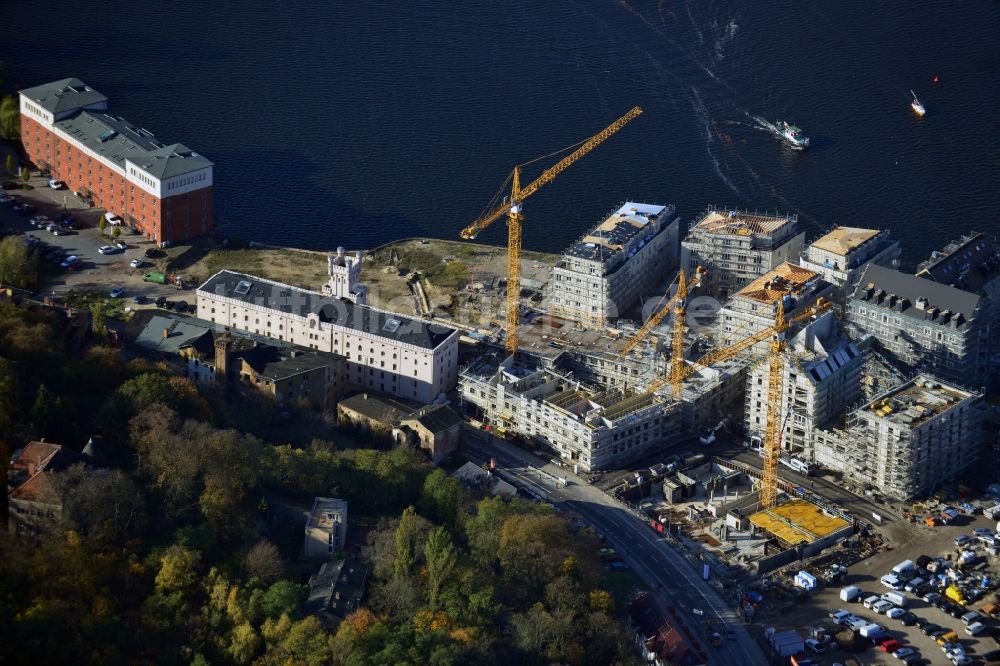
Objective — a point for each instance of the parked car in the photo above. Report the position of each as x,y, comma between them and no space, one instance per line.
882,606
10,185
56,184
908,619
982,531
153,253
975,628
903,652
895,613
929,629
121,245
135,263
815,646
108,249
117,292
69,261
56,231
112,219
139,299
160,302
962,539
184,306
922,622
890,645
26,209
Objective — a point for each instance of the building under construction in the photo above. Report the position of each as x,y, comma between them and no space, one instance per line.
585,426
736,247
908,441
605,272
843,253
754,307
801,524
821,379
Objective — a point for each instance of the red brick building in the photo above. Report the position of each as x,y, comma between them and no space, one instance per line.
160,190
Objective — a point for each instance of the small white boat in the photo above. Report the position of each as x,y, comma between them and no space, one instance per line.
791,134
916,105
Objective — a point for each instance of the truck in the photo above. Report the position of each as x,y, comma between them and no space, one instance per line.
955,594
163,278
895,598
905,567
850,593
786,643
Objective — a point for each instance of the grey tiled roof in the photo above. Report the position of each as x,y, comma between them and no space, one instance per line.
302,302
119,140
911,288
63,95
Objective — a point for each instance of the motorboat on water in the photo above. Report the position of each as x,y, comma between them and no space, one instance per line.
791,134
917,105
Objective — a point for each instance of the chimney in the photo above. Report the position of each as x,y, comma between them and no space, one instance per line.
166,333
223,347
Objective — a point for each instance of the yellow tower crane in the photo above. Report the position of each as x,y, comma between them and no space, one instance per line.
512,208
772,441
679,302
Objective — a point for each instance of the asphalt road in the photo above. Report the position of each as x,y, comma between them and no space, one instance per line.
671,577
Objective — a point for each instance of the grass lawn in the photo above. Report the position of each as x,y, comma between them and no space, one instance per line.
113,308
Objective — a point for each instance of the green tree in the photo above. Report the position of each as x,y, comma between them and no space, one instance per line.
283,598
11,165
441,558
440,497
408,536
116,232
18,264
98,320
47,411
10,119
102,224
25,174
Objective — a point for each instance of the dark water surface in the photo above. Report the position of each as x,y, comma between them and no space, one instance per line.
355,123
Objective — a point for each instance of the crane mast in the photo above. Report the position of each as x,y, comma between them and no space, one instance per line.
772,428
512,208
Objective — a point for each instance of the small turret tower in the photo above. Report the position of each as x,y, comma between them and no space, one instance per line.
345,277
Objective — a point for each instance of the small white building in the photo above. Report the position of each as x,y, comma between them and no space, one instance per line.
326,529
385,351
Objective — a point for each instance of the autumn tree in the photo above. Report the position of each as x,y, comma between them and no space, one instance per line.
263,562
18,263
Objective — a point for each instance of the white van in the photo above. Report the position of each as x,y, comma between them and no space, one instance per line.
850,593
892,582
871,601
895,598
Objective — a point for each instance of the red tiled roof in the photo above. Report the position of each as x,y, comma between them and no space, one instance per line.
39,453
38,488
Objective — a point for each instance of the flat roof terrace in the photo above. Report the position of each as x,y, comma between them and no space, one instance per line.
609,238
844,240
916,401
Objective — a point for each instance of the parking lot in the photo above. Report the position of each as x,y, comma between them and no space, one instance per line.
936,542
97,272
